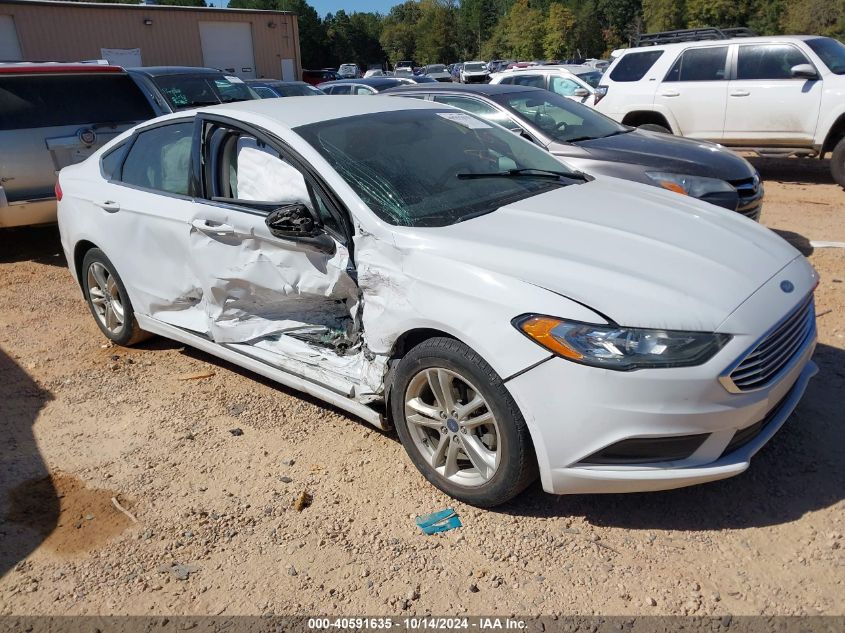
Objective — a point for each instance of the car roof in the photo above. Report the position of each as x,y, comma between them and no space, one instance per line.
274,82
733,40
478,89
27,68
375,82
158,71
293,112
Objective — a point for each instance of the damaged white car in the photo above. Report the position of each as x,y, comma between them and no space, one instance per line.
420,267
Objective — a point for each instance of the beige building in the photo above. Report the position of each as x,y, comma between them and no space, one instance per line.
245,43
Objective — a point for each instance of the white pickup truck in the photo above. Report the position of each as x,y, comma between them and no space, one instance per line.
779,95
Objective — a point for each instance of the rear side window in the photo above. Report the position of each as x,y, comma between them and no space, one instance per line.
111,161
700,64
82,99
768,61
160,159
537,81
634,66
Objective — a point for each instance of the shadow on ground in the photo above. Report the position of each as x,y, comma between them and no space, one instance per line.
793,170
37,244
797,240
799,471
24,479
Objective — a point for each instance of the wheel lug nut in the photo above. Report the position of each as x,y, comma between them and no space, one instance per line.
443,429
464,430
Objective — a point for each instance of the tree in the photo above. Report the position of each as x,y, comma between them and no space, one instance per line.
663,15
557,44
822,17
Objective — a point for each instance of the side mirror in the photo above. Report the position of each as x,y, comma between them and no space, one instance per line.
581,92
296,222
804,71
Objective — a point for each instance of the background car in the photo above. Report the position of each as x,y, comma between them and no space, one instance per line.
474,72
51,116
778,94
174,88
596,144
368,86
437,72
349,71
270,88
494,301
455,72
558,79
315,77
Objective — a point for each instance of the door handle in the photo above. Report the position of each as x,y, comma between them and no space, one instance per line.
670,93
109,205
740,93
207,226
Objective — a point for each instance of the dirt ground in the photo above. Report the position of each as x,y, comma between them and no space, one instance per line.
83,423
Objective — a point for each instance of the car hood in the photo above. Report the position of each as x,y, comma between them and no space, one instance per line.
638,255
665,152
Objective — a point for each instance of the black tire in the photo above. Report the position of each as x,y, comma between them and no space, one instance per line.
517,462
129,332
654,127
837,163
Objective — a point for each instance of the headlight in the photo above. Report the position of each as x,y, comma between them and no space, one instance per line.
695,186
620,348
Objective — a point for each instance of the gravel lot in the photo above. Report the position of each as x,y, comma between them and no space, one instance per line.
217,532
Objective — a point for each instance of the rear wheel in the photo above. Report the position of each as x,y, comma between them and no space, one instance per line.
108,300
837,163
459,425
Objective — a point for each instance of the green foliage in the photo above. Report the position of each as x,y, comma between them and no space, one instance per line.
557,43
432,31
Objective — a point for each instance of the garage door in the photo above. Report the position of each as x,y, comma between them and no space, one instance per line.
228,46
10,47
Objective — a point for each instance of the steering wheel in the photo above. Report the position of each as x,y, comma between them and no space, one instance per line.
560,127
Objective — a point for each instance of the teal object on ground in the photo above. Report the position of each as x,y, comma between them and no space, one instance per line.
439,521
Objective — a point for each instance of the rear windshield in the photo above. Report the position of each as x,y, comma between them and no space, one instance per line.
84,99
474,67
296,90
634,66
194,91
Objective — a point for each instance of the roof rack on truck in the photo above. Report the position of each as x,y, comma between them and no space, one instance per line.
690,35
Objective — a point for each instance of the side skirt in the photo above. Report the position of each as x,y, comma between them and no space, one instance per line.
285,378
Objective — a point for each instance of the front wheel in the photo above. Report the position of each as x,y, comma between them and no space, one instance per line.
108,300
459,425
837,163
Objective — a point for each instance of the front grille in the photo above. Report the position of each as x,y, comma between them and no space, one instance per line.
750,196
744,436
763,364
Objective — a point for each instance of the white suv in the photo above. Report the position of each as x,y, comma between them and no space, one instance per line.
772,95
573,82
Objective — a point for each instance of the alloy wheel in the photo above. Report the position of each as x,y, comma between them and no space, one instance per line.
105,297
452,426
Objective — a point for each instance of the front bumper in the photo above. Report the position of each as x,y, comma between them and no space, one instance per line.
590,427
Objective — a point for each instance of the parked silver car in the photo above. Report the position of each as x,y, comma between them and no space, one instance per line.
52,116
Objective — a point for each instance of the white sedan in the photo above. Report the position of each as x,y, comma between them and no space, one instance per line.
422,268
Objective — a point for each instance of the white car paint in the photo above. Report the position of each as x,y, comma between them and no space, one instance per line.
606,250
760,113
566,78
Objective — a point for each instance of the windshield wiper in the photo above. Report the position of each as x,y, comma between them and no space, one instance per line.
527,172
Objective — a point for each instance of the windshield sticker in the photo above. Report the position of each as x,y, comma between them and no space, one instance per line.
464,119
234,80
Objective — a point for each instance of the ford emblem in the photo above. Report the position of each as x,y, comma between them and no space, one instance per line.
787,286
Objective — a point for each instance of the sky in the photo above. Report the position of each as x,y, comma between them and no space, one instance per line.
331,6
